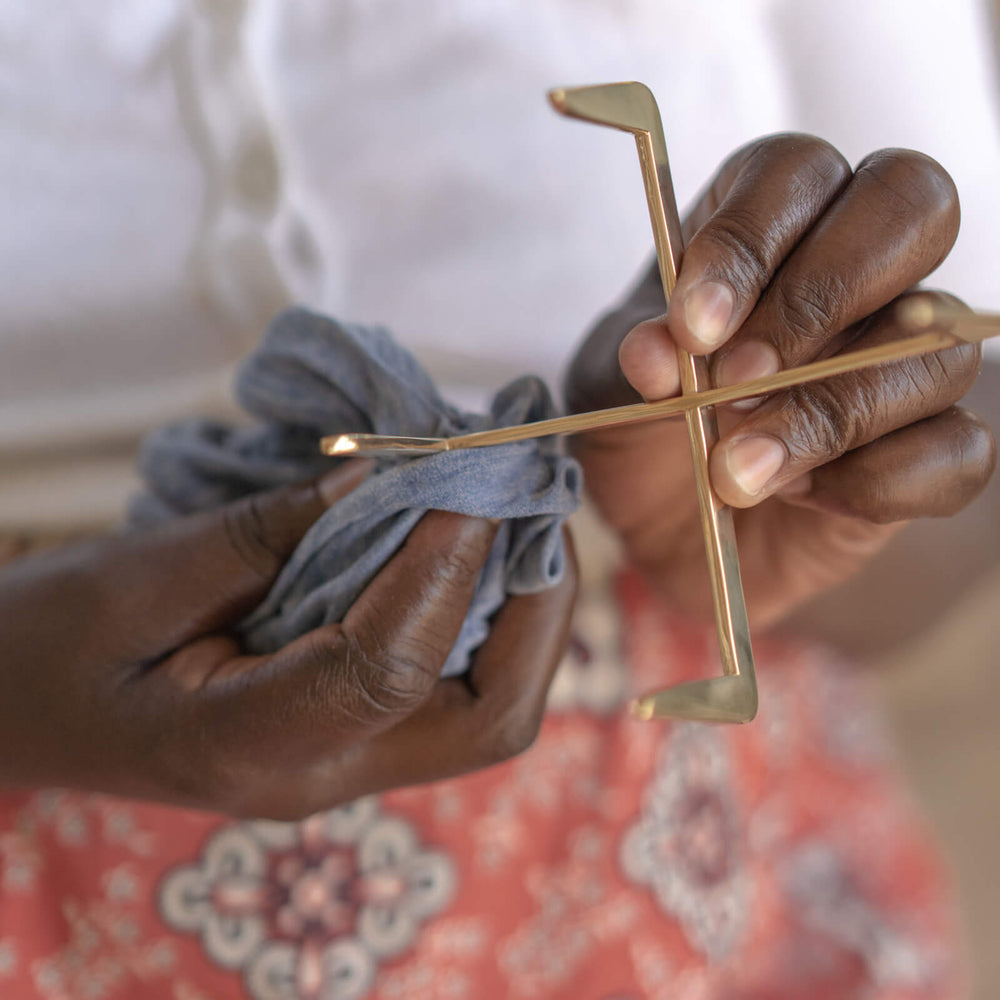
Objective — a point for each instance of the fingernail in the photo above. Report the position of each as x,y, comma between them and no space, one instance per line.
753,462
745,362
708,311
347,476
649,361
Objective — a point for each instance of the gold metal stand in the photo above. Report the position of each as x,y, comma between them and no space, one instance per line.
632,108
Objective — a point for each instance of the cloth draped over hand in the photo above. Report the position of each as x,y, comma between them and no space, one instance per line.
311,376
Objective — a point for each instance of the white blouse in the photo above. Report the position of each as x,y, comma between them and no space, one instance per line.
175,171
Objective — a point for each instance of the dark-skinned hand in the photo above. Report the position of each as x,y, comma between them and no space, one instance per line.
120,672
791,256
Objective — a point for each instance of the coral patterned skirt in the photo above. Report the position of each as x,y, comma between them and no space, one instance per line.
616,859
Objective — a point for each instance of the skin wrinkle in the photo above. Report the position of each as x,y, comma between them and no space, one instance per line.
810,151
906,254
820,428
967,362
737,228
732,234
373,684
340,684
925,377
834,428
391,677
881,402
809,308
819,188
883,482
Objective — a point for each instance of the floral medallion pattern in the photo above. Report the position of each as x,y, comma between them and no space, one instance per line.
685,846
309,910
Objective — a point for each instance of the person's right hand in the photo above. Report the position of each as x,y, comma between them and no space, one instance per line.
791,257
119,672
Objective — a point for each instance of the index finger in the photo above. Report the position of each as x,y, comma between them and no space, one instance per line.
784,185
762,203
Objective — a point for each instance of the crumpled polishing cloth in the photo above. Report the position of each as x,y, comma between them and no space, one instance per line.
312,376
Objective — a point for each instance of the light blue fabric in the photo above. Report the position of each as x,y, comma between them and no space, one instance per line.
312,376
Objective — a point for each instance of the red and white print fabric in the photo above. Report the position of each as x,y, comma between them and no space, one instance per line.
615,860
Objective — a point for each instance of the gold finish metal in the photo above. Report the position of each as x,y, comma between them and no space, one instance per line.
379,445
918,312
632,108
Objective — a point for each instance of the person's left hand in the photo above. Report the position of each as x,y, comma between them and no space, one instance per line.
791,257
121,669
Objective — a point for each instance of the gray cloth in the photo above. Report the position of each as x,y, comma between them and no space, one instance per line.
312,376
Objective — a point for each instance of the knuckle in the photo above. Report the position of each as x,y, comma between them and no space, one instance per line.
925,384
738,237
808,306
913,183
250,537
376,682
941,475
961,366
958,366
749,243
821,427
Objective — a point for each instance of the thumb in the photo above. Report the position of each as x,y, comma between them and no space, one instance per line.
199,574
